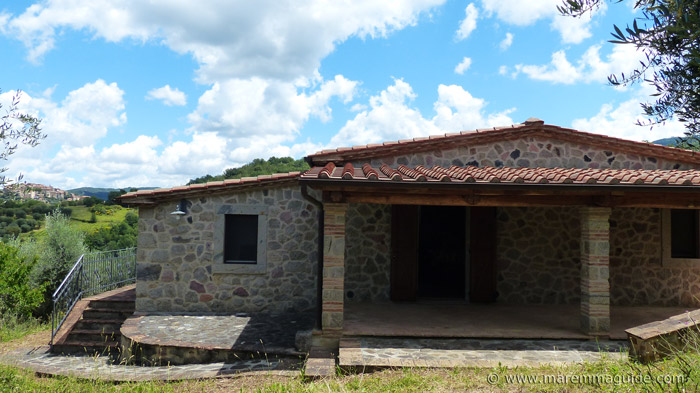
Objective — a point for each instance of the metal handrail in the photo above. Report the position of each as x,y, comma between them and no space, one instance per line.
92,273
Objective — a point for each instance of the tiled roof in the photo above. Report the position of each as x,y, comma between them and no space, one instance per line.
214,186
485,175
531,127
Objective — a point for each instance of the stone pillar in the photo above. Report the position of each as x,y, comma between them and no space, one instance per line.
595,271
333,268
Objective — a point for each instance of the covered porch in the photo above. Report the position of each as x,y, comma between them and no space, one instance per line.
480,316
497,320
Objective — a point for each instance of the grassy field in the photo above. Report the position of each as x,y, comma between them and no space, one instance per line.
81,215
613,376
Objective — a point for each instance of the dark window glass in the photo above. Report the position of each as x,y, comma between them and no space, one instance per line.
684,234
241,238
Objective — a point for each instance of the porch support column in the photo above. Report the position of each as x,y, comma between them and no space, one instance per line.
595,271
333,268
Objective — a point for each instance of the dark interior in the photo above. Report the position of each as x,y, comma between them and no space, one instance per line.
441,252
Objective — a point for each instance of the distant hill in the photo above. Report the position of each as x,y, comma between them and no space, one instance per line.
102,193
666,141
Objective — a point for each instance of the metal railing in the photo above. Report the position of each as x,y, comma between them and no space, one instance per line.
93,273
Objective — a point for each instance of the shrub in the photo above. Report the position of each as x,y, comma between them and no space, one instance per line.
17,294
57,252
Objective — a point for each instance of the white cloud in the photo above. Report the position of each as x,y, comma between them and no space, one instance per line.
463,65
238,108
265,38
392,117
620,120
589,68
168,95
507,42
525,13
84,116
468,24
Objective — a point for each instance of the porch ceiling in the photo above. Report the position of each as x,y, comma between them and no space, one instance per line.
489,186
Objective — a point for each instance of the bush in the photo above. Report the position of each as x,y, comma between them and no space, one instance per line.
117,237
57,252
18,296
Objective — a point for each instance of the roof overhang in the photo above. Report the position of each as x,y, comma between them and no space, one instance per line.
506,194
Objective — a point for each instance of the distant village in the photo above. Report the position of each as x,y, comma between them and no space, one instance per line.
40,192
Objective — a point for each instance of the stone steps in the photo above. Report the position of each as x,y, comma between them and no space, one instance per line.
93,327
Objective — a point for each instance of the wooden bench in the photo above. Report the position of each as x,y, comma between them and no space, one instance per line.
656,340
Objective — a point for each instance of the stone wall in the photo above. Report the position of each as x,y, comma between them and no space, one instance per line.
538,254
533,151
368,252
176,257
637,275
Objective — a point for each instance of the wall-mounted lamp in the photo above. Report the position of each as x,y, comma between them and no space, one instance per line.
180,209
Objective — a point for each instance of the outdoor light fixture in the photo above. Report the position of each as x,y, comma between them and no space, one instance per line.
180,209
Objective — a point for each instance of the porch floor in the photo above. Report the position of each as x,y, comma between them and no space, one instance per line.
441,319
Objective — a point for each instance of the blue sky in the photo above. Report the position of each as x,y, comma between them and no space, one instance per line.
136,93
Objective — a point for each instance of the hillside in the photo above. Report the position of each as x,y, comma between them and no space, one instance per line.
102,193
667,141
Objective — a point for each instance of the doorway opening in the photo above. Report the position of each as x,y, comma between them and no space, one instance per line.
442,256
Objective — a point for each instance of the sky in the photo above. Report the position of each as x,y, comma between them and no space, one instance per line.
136,93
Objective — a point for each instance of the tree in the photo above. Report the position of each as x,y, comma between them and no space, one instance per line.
257,167
57,252
17,294
668,34
15,128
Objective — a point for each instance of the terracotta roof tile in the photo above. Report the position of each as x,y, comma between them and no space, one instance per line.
483,175
174,192
487,135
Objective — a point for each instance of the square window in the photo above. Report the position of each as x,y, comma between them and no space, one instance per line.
684,234
240,239
680,237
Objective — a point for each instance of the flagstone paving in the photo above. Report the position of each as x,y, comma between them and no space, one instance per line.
412,352
40,360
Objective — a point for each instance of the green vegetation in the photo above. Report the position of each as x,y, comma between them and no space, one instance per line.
104,193
257,167
18,296
520,379
116,237
13,327
17,217
56,253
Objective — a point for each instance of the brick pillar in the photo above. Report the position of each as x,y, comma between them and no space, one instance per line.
595,271
333,267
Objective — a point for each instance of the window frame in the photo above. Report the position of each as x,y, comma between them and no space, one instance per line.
666,259
243,267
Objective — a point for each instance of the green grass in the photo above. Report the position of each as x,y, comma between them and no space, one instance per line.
13,328
80,218
81,215
517,379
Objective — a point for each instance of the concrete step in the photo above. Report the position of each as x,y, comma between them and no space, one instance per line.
94,336
99,324
120,305
85,347
104,313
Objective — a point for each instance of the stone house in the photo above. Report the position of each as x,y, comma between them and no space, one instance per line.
530,214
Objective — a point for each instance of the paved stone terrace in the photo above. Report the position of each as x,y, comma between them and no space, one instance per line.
255,333
417,352
355,352
41,361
